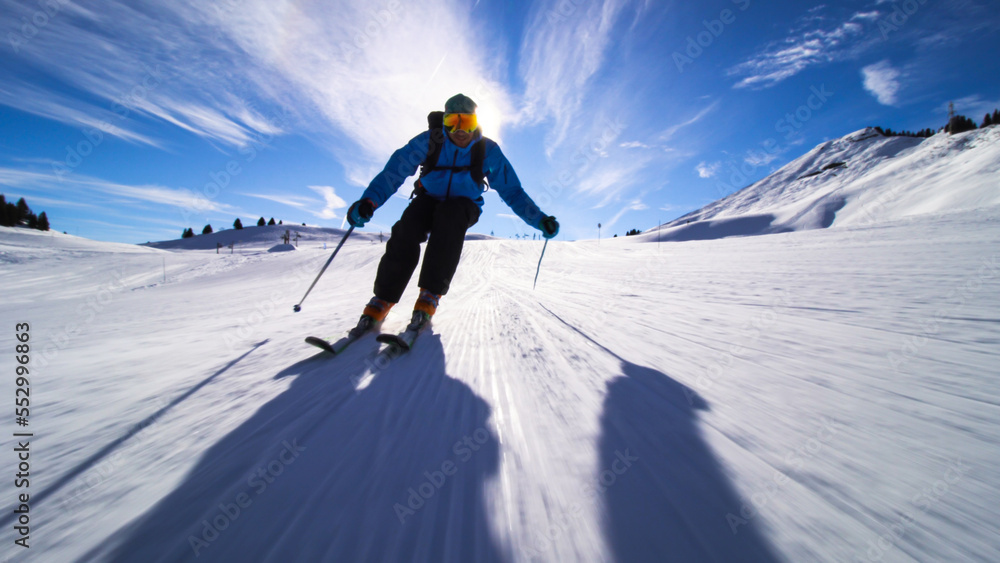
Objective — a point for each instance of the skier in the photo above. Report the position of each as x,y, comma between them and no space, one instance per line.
447,200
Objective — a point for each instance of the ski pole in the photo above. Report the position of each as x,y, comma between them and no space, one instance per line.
539,268
298,307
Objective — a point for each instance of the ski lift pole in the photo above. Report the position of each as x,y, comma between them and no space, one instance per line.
298,307
539,268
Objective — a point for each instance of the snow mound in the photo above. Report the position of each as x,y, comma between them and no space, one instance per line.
281,248
747,225
261,238
860,179
27,243
266,237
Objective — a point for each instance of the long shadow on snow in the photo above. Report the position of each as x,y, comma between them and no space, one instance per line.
670,504
324,473
666,497
104,452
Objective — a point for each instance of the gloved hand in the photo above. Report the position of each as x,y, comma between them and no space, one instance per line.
549,227
360,212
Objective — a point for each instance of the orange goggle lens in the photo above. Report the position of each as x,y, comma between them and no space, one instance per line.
464,121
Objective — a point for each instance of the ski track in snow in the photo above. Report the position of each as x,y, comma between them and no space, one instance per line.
825,395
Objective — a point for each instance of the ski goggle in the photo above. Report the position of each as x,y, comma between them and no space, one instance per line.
465,121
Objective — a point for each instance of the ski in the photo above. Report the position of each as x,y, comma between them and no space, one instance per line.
403,341
365,325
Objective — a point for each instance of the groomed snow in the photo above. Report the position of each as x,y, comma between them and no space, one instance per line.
822,395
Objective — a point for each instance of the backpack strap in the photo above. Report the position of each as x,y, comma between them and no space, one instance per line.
435,124
476,168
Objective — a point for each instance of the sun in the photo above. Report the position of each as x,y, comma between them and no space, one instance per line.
490,120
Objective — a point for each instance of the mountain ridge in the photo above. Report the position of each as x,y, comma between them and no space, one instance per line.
863,177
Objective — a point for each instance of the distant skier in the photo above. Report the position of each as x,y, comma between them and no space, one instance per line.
446,202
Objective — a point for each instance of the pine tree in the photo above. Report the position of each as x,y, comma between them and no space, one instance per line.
3,212
207,230
271,222
960,124
22,210
238,225
43,222
188,233
261,222
987,121
10,215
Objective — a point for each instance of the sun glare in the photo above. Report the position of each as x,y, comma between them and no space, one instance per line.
490,120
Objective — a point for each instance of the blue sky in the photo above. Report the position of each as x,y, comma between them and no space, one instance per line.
131,121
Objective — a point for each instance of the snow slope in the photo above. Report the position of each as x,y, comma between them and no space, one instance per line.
823,395
272,236
861,179
256,237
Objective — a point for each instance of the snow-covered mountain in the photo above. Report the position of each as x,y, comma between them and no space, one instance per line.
860,179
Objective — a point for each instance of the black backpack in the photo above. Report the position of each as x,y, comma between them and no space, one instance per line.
435,124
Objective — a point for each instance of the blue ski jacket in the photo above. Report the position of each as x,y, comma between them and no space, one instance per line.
444,184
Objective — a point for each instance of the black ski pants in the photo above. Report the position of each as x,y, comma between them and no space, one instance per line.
445,222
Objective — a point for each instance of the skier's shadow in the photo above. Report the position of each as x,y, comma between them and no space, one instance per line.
674,502
325,472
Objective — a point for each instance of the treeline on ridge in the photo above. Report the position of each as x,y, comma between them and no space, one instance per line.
237,225
20,215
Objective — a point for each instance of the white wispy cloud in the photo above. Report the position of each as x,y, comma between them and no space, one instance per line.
85,188
326,208
232,72
298,202
783,59
332,202
882,81
706,170
364,68
61,107
634,205
673,129
873,15
760,158
634,145
612,177
565,45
